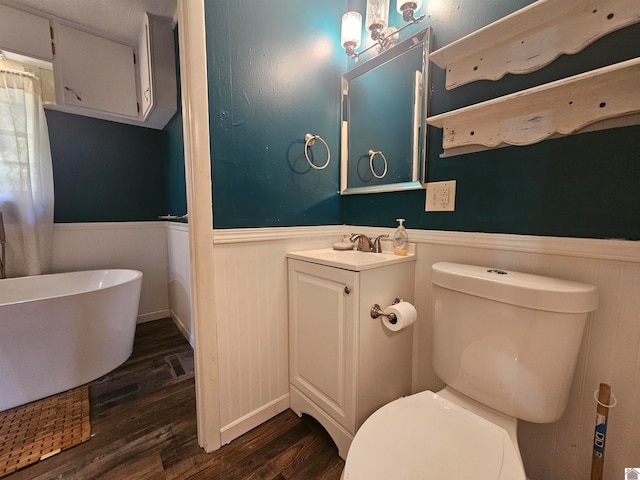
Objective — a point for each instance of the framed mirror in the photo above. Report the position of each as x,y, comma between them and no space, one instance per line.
383,130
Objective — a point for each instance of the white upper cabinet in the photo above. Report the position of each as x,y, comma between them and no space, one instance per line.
94,73
25,34
157,69
97,76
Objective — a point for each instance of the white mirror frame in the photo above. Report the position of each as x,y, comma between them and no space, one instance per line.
420,39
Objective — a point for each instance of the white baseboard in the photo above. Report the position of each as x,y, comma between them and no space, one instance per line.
150,317
253,419
183,328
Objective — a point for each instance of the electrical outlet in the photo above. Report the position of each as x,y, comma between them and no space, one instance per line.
441,196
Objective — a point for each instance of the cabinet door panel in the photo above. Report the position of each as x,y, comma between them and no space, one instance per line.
144,60
24,33
157,63
321,337
95,73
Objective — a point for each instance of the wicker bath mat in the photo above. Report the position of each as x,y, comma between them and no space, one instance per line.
38,430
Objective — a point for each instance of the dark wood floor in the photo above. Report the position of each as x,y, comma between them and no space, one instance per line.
143,426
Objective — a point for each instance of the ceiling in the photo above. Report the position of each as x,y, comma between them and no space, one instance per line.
119,19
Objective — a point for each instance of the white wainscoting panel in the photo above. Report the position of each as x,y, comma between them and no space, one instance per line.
251,301
251,305
180,278
135,245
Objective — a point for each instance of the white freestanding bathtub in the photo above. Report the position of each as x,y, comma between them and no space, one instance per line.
63,330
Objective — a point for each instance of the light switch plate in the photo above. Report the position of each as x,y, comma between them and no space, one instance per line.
441,196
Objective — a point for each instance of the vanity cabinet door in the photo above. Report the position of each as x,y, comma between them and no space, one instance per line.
322,311
94,73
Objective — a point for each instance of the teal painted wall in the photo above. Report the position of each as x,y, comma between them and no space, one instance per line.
271,81
105,171
274,75
581,186
111,172
174,172
267,89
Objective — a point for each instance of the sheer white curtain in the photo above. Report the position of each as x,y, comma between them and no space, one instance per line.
26,175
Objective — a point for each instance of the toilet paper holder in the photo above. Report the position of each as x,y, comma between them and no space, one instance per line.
376,312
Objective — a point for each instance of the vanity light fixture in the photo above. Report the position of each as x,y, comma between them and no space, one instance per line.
377,18
350,33
407,8
377,23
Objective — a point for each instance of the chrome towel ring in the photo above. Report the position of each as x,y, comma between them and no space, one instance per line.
309,140
372,155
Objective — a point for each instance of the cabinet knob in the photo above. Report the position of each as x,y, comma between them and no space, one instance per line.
347,290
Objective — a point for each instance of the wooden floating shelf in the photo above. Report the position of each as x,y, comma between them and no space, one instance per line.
531,38
562,107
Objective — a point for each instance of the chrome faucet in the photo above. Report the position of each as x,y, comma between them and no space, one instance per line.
377,248
364,242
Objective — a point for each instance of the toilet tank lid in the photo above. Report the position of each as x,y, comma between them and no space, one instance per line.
522,289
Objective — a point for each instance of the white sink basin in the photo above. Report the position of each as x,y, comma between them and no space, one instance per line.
350,259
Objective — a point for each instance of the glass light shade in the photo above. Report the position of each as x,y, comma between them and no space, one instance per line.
402,5
351,30
377,14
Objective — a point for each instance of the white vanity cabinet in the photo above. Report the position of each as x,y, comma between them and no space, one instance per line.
344,364
94,73
157,71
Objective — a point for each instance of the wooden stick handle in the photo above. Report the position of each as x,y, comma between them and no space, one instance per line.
597,460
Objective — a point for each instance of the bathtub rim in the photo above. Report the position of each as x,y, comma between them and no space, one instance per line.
136,275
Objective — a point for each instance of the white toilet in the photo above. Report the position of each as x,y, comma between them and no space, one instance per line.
506,345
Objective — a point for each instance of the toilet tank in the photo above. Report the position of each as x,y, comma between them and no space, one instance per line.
509,340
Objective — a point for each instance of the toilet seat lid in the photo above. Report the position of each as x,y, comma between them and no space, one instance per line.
425,436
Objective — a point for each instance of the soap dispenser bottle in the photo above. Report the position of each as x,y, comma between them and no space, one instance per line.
400,239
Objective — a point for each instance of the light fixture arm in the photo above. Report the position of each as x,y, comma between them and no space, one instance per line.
381,40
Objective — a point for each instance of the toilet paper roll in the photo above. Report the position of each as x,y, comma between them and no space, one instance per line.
405,314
